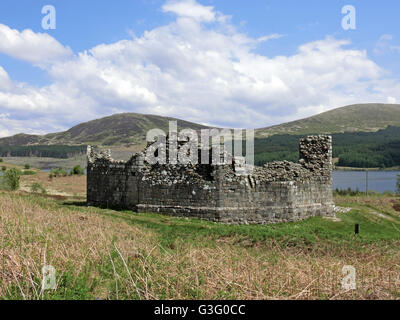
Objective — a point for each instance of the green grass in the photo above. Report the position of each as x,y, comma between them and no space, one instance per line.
306,232
188,258
28,173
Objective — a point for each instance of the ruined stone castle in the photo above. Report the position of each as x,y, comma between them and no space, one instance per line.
277,192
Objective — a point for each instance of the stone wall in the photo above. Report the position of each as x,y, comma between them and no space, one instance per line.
277,192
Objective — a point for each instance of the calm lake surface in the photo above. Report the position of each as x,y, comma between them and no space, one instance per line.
380,181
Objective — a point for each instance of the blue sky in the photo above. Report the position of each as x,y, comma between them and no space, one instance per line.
226,63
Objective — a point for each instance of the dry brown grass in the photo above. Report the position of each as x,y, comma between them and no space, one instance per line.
386,203
232,272
70,185
127,260
32,237
74,185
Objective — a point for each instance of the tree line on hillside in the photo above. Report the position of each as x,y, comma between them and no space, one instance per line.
45,151
379,149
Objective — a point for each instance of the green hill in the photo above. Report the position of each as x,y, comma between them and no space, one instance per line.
118,129
355,118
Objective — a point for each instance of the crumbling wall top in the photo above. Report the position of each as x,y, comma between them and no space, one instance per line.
315,160
103,156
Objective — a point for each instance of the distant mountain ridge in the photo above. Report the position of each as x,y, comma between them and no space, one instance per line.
118,129
131,128
369,117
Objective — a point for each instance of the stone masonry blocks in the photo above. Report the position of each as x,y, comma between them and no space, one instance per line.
277,192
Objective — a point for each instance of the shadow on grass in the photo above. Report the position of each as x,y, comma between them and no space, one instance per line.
75,203
84,204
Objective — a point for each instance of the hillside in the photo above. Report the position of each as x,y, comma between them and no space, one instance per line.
355,118
131,128
118,129
20,139
380,149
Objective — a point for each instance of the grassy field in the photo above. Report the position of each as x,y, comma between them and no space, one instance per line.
107,254
70,186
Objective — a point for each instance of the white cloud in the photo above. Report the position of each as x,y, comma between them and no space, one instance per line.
191,9
384,45
5,82
189,70
269,37
37,48
391,100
